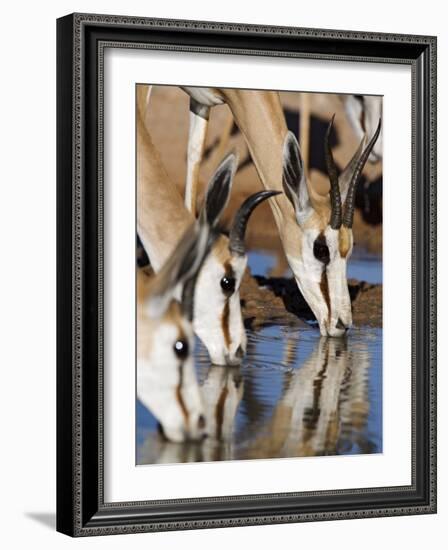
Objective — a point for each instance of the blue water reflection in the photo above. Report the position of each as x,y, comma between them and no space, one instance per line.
295,395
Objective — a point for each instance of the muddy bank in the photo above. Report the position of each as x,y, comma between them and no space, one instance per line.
278,300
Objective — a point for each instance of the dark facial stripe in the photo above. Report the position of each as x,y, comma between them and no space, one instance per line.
320,249
220,412
225,324
225,318
325,291
179,397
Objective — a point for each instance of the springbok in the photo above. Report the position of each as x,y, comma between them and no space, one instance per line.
162,218
166,378
326,224
315,233
363,112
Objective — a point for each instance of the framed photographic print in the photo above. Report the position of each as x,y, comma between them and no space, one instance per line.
246,274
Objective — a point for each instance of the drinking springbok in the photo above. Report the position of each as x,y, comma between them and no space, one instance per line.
166,379
315,233
320,267
162,218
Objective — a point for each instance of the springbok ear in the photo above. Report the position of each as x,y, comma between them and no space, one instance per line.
182,266
181,269
294,183
218,190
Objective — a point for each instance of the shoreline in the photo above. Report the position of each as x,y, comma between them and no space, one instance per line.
274,300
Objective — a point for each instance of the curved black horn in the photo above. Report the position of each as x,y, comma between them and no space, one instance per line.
238,229
335,193
349,207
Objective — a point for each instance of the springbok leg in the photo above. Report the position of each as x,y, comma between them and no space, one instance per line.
199,115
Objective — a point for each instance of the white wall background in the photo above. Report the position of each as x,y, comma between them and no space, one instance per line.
27,273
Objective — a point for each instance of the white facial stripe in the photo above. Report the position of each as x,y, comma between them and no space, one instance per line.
217,317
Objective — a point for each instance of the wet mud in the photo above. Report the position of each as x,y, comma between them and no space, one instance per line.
277,300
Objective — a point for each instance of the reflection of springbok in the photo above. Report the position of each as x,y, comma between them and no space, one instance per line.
162,218
307,419
315,229
166,379
222,392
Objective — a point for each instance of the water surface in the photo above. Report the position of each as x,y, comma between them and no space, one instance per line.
296,394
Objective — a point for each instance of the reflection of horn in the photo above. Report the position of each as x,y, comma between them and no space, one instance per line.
354,410
238,230
289,359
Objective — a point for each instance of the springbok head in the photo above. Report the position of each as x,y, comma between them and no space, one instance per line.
320,267
218,319
363,111
166,379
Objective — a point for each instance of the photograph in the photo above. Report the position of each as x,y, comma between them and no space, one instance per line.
258,273
246,315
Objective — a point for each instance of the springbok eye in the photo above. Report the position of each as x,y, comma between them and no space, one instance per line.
181,349
321,251
228,284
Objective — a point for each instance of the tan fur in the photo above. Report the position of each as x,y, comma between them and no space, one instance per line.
259,116
345,241
161,215
221,249
317,220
